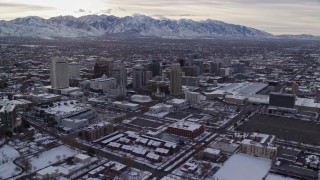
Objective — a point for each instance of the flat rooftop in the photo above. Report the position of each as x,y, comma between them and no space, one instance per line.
244,88
284,128
186,126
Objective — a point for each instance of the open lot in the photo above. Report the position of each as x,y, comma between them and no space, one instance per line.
178,115
146,123
284,128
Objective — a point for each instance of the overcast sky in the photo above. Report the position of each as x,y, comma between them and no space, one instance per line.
274,16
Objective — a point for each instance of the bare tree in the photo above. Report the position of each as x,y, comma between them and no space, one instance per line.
58,157
26,164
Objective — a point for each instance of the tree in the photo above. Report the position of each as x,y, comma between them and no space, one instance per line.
205,168
69,160
128,161
25,124
58,157
9,134
235,125
90,151
26,164
200,155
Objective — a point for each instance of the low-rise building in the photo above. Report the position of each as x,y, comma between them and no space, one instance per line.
178,103
82,158
126,105
160,108
211,153
186,129
193,97
260,145
73,124
96,131
44,98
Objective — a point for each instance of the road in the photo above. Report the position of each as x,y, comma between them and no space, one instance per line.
71,141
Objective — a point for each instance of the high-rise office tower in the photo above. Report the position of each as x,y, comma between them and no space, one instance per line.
59,72
74,70
155,68
139,77
199,63
120,74
103,67
239,68
193,71
215,67
175,79
226,62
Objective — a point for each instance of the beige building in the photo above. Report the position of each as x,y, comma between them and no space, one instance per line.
97,131
74,70
260,145
59,71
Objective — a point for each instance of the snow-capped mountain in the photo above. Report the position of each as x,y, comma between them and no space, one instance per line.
140,25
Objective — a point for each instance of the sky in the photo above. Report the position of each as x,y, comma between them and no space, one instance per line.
273,16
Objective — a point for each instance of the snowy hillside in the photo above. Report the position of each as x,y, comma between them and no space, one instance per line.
140,25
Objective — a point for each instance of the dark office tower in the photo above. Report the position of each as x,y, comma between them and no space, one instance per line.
239,68
155,68
182,62
192,71
226,62
194,56
175,79
215,68
199,63
139,77
119,72
103,66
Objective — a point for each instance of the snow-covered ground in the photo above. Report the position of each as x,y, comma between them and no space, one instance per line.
241,166
7,168
278,177
51,156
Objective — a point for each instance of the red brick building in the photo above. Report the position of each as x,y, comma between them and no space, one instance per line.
186,129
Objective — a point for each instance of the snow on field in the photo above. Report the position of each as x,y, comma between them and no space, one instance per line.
51,156
278,177
240,166
7,168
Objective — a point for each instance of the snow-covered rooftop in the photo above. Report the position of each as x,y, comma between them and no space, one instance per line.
186,126
240,166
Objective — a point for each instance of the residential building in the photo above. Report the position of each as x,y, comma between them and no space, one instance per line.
96,131
260,145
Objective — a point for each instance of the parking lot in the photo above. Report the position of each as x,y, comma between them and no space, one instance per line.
284,128
146,123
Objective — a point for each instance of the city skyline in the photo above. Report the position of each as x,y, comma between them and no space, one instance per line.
276,17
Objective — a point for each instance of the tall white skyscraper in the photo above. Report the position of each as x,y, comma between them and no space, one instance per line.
59,72
175,79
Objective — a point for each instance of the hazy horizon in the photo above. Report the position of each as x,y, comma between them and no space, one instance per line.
276,17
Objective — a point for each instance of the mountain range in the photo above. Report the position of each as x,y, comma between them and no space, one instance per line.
137,25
